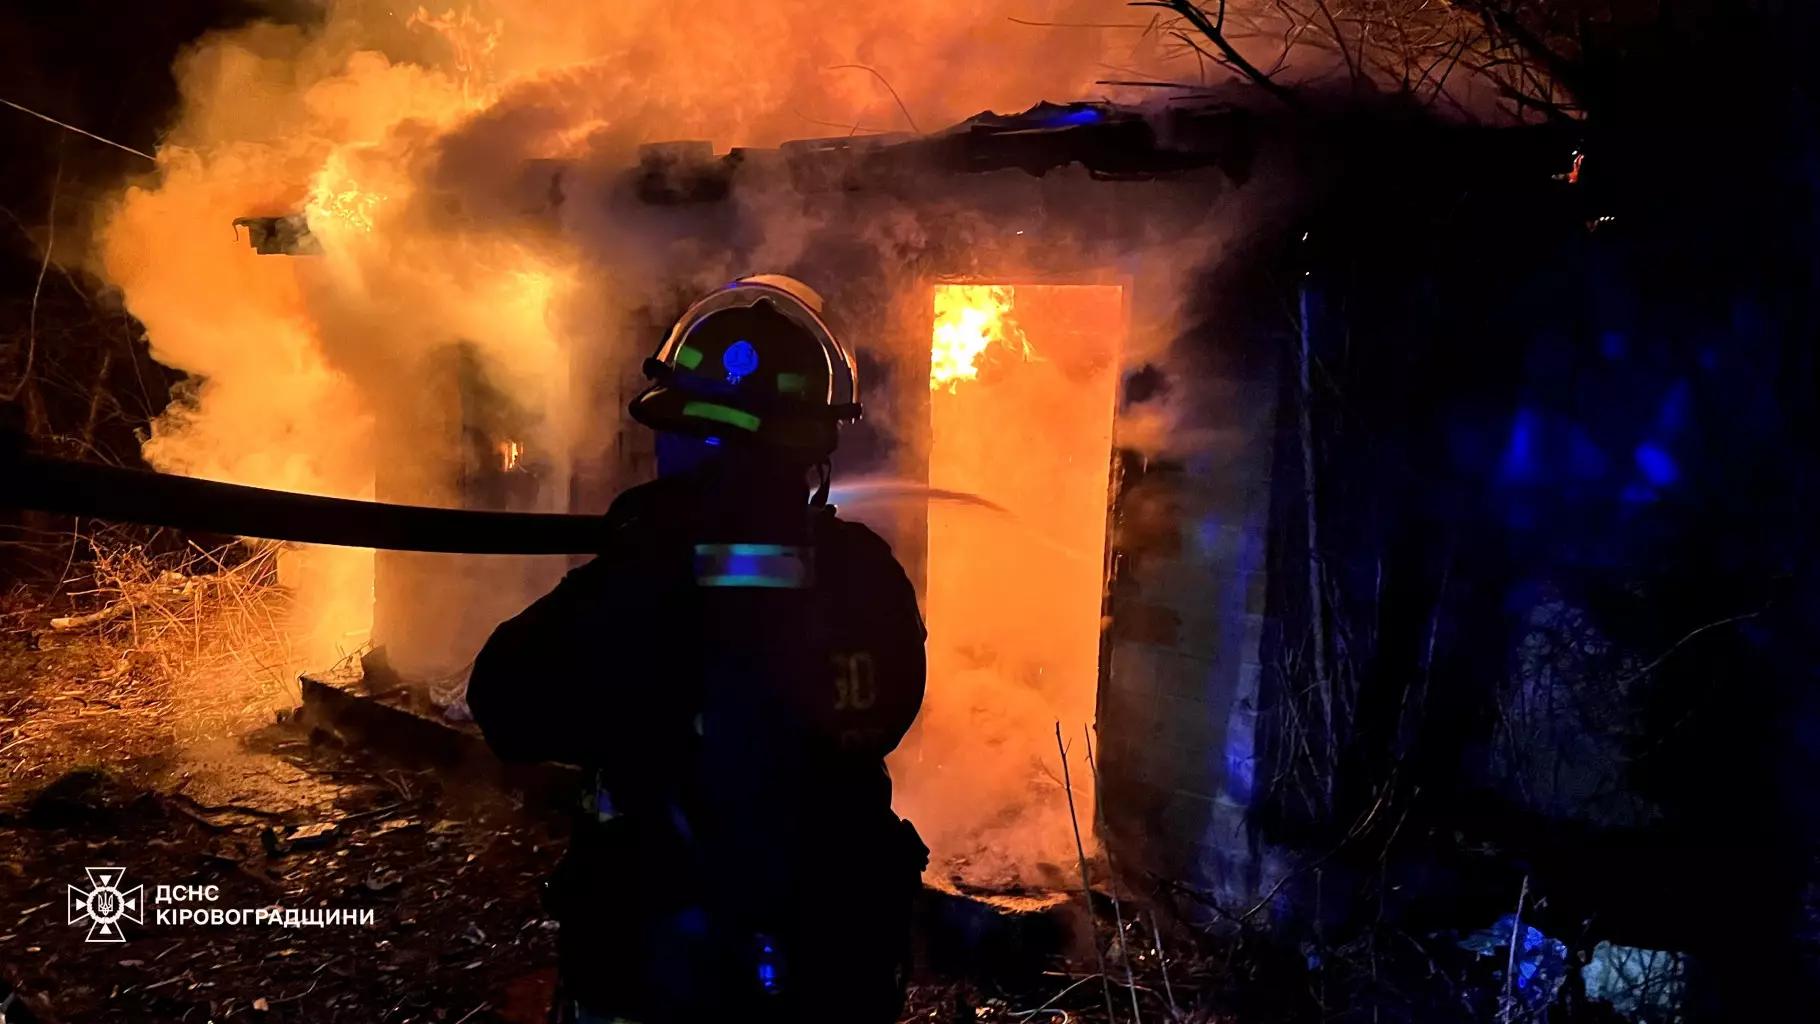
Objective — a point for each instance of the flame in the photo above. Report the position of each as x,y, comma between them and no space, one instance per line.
510,452
1013,602
968,320
342,202
473,39
417,141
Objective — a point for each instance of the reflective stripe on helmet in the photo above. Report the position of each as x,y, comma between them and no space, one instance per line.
722,414
766,566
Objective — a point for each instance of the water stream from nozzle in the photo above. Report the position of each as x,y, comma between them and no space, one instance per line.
875,493
881,490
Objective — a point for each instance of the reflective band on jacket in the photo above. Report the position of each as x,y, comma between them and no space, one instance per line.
776,566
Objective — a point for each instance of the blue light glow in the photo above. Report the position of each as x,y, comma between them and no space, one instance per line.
1657,466
1520,452
767,967
1085,115
740,359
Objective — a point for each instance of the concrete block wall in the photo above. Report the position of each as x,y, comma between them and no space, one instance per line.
1178,702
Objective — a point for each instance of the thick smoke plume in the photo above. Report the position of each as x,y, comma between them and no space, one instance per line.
405,137
404,134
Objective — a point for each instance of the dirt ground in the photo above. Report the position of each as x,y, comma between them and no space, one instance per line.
104,763
95,773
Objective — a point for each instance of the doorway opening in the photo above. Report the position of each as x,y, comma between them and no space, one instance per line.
1023,389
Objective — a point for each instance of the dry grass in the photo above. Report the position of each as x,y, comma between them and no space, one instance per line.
150,649
196,615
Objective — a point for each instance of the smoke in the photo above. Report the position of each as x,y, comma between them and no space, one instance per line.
405,134
411,139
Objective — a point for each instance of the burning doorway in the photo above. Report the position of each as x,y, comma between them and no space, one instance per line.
1022,389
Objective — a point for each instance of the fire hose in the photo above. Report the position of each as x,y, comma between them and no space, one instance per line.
90,490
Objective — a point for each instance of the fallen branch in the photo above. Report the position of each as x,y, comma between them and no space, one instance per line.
1162,965
205,822
228,808
307,991
371,812
1080,850
72,623
1046,1007
168,585
1510,968
1118,913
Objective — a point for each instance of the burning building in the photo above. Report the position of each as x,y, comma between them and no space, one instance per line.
1077,327
1067,444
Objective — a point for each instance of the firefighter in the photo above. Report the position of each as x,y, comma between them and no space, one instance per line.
731,672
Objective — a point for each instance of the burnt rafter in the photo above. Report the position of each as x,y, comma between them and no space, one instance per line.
1107,140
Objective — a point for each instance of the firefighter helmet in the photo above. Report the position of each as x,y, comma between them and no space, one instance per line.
753,361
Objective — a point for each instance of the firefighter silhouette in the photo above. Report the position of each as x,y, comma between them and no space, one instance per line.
731,671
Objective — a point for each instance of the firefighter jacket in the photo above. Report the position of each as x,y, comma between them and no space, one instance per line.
732,670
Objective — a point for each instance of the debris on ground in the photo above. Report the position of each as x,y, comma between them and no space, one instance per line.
345,832
275,812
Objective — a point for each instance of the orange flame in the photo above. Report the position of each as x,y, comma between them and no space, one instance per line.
343,202
473,39
416,141
1013,602
510,452
968,320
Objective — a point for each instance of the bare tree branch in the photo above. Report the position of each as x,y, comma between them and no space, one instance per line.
50,243
1500,18
888,88
66,126
1339,40
1214,29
